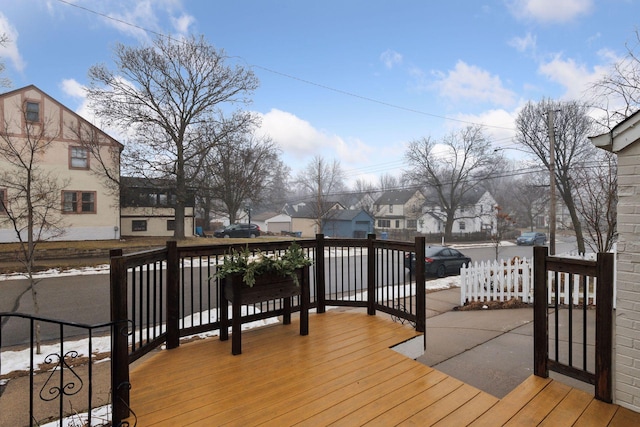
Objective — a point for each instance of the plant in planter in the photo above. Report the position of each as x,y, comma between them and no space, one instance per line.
251,265
276,276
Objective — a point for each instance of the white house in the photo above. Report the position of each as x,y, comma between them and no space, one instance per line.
476,214
624,140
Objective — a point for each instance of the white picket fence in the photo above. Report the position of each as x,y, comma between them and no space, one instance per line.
504,280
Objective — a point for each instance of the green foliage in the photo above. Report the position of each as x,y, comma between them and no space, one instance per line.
253,265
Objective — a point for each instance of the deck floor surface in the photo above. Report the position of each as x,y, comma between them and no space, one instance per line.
343,373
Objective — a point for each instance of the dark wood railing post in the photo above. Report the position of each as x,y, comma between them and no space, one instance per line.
540,313
421,293
321,304
604,326
173,295
119,338
371,274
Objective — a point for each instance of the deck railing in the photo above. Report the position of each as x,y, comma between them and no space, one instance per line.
571,336
172,292
61,376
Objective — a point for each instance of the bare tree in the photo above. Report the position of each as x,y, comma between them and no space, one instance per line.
162,95
31,203
572,148
239,170
4,81
320,181
504,224
618,92
597,189
452,168
530,194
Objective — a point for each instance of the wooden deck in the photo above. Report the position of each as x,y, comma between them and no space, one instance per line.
344,374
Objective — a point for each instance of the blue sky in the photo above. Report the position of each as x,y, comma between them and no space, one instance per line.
354,80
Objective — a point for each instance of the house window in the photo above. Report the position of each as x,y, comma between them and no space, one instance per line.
384,223
3,201
397,223
390,208
78,158
79,202
33,111
463,226
171,224
412,223
139,225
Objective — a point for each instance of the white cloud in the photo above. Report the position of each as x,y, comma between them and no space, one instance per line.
524,44
299,141
390,58
550,10
575,77
468,82
182,23
499,124
11,49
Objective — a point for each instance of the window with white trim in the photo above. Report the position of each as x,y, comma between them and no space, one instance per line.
78,158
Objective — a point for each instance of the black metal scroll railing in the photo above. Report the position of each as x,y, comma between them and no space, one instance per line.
169,293
572,335
63,380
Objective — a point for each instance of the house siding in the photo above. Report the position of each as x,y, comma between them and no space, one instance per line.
627,325
61,124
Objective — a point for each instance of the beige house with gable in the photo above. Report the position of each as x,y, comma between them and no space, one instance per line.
88,206
624,140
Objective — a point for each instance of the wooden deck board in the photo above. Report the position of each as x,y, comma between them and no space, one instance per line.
343,374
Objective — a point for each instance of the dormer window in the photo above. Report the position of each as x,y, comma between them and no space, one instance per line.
33,111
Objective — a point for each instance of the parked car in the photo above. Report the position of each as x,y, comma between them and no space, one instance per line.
531,238
438,261
238,230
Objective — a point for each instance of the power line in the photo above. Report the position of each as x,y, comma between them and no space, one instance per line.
292,77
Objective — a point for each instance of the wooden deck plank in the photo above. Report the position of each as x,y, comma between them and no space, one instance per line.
508,406
625,417
342,401
540,406
466,414
410,407
384,402
443,407
597,414
342,374
569,410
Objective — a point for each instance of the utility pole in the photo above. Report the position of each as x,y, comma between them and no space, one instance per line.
552,183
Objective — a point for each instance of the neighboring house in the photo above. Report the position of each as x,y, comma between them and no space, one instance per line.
359,201
304,217
476,214
398,210
148,208
89,206
260,218
349,223
278,224
624,140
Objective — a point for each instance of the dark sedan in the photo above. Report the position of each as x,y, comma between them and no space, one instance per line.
439,261
239,230
531,238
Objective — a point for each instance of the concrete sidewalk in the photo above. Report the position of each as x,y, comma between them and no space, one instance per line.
491,350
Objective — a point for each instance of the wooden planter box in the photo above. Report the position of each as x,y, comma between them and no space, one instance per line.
267,287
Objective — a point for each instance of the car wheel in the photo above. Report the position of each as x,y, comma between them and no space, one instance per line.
252,236
441,270
226,236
